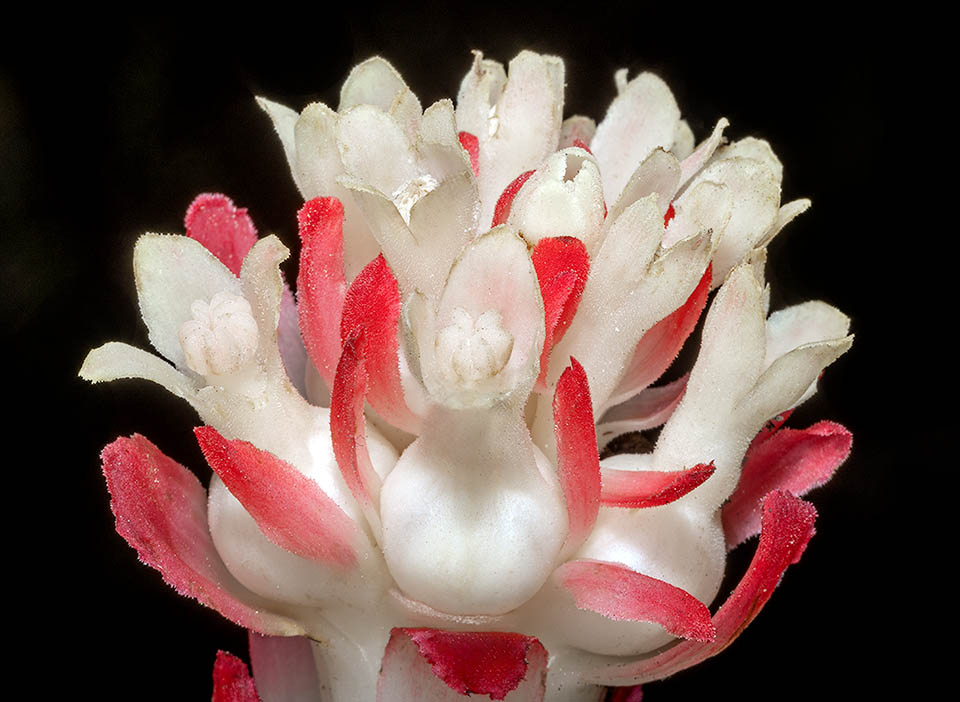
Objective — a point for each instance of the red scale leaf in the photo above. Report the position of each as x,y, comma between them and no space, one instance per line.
562,266
650,488
290,508
224,229
347,427
371,313
321,285
161,511
620,593
502,210
578,463
793,460
467,662
472,146
232,681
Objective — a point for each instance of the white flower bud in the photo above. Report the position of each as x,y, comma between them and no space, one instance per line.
470,351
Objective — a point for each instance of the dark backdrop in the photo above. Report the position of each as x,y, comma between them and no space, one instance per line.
109,127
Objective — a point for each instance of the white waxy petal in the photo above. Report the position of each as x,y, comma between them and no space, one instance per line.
221,338
758,150
470,523
115,360
283,119
755,193
375,82
439,124
642,117
523,127
317,169
697,159
705,206
563,198
171,272
659,174
374,148
479,90
703,428
785,215
807,323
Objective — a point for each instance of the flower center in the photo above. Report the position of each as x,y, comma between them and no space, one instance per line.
407,195
471,350
222,336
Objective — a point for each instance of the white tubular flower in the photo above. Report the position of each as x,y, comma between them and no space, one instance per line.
486,294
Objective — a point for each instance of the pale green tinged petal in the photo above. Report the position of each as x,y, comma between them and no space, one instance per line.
375,82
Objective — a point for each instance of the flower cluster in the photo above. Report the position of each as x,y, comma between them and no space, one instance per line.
408,501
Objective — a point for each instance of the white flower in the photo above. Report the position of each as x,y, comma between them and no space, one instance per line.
484,290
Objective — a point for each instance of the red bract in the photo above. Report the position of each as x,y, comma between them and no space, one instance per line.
226,230
291,510
502,211
649,488
787,528
467,663
321,285
232,681
161,510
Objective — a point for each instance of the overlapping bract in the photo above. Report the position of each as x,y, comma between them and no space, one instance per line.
406,459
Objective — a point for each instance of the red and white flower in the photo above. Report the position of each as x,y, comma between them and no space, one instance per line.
411,499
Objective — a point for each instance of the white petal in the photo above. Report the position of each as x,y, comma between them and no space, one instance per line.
439,124
171,273
374,148
115,360
318,167
628,291
479,90
790,379
785,215
807,323
697,159
659,174
375,82
641,118
283,119
757,149
441,223
755,193
703,428
704,206
526,126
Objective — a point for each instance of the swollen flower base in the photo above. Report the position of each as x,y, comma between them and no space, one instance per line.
408,501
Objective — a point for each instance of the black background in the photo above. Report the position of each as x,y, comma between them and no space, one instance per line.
110,126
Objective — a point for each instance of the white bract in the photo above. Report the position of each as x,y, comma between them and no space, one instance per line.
538,275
